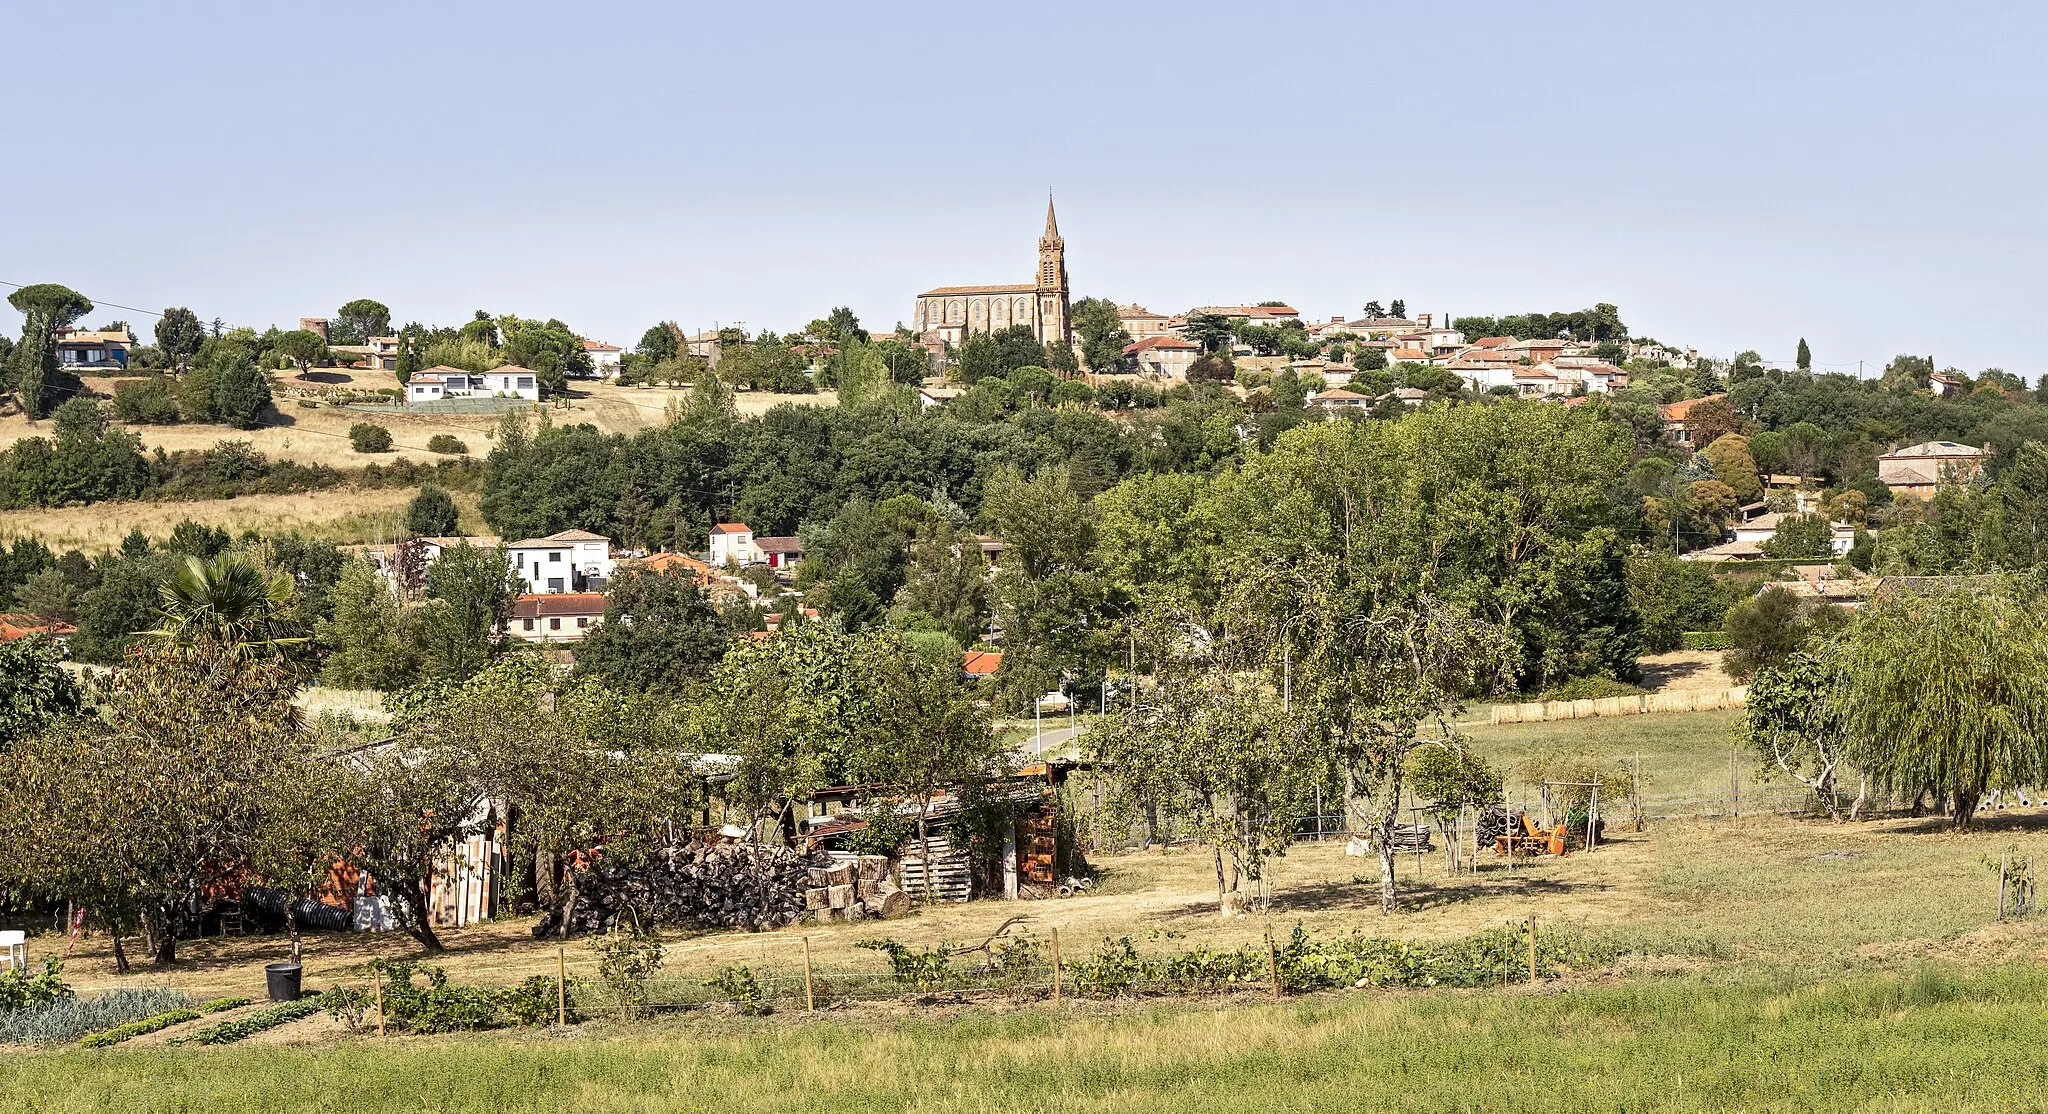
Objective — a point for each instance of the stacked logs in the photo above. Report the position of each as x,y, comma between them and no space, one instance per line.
854,890
695,885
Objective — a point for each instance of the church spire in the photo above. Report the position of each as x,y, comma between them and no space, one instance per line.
1051,239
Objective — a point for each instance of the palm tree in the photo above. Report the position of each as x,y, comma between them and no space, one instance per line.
228,600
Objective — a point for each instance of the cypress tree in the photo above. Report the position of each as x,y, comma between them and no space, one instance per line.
1805,360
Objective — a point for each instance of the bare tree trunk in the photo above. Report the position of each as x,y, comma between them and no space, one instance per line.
1383,842
291,925
1862,796
167,937
1963,809
543,880
120,956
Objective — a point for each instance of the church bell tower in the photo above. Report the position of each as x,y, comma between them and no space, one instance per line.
1053,324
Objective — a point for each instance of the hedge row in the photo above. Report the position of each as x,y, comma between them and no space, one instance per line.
119,1033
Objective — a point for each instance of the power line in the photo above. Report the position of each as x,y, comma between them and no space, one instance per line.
95,301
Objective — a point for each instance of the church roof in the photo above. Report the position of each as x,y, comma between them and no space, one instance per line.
1009,288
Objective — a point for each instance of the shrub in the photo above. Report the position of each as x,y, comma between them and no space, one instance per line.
67,1019
1705,640
625,961
369,437
1593,688
119,1033
737,985
145,402
925,969
447,443
20,990
439,1007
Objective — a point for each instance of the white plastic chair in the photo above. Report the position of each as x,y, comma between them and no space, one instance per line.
13,948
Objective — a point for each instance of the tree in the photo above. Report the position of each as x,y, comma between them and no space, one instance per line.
1211,331
789,707
1374,309
1370,358
469,595
1450,776
1017,347
1397,308
243,394
226,601
178,336
1804,360
302,347
1103,337
365,641
659,635
1046,597
308,826
1767,628
358,321
979,358
45,308
1948,692
1733,465
35,691
925,734
416,802
1801,535
660,342
1672,597
431,514
945,585
1792,720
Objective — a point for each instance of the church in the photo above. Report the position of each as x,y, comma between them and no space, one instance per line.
955,312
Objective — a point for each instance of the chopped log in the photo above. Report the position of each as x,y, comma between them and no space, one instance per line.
890,905
873,868
840,897
840,874
699,885
818,898
820,876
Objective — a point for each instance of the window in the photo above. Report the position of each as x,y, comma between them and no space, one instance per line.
554,556
529,624
554,624
526,382
519,560
582,620
554,584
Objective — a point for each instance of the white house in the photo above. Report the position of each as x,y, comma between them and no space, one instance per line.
571,561
1764,527
604,358
510,381
1166,356
556,617
1337,398
732,543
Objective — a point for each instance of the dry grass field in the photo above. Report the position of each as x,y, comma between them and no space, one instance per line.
320,436
342,515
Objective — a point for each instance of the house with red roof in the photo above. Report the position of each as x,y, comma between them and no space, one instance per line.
556,617
1166,356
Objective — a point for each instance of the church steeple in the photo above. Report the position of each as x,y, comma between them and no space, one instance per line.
1051,240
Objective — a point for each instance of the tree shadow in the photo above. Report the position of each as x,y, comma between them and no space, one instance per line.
1658,675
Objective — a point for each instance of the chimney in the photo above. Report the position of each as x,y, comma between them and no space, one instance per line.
1336,319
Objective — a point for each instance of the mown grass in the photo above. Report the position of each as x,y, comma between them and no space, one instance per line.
1925,1039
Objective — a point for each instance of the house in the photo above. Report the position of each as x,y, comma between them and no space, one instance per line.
706,346
679,564
604,358
1679,424
437,383
556,616
1923,469
780,553
1166,356
1596,375
1256,315
381,354
1140,322
1337,398
732,543
85,352
1943,384
929,397
571,561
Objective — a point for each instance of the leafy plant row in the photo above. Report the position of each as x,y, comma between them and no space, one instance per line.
442,1007
109,1037
66,1019
228,1032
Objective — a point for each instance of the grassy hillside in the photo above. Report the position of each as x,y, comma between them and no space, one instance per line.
341,515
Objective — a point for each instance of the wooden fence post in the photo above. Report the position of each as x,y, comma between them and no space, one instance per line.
377,992
561,988
1055,968
810,994
1532,947
1272,963
2003,856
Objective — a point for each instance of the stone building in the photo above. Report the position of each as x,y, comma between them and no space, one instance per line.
955,312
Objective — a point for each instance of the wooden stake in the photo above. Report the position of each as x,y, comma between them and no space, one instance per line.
561,988
810,995
1055,968
2001,883
1532,947
377,991
1273,963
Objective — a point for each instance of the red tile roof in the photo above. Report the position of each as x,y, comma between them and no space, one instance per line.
732,528
1150,343
981,663
15,626
558,604
779,545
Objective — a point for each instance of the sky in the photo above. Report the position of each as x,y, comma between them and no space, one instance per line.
1731,175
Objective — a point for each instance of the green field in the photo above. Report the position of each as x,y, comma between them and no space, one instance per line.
1928,1039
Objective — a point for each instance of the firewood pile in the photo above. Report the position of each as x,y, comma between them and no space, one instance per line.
854,890
697,885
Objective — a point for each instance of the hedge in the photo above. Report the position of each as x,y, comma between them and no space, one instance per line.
1704,640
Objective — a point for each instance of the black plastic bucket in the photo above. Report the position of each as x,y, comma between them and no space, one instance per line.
283,981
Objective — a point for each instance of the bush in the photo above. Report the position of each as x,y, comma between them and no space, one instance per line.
1593,688
447,443
21,990
369,437
1705,640
738,986
439,1007
68,1019
145,402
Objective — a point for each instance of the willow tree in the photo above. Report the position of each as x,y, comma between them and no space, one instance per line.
1949,692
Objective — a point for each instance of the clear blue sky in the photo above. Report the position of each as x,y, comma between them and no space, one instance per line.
1867,175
